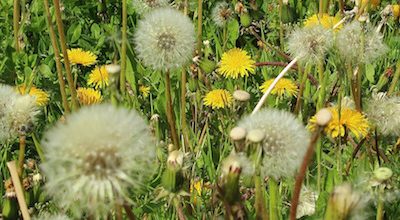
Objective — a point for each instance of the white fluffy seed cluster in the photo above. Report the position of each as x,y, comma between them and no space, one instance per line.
358,45
221,14
50,216
285,141
310,44
18,113
237,163
144,6
383,112
95,157
165,39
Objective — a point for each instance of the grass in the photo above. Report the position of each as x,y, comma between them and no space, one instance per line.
203,132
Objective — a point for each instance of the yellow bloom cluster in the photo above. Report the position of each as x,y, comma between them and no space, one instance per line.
218,98
236,63
42,98
88,96
326,21
79,56
284,87
349,119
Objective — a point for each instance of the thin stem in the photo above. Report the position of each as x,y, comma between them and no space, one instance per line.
273,199
302,173
321,8
301,90
379,209
395,79
259,197
129,213
199,25
123,47
281,27
273,84
274,63
16,18
271,47
118,211
57,56
63,43
21,156
341,6
322,82
170,112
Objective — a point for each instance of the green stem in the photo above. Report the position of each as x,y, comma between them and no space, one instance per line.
303,81
273,199
60,76
170,111
395,79
16,19
63,43
123,47
281,27
21,156
380,210
199,26
322,82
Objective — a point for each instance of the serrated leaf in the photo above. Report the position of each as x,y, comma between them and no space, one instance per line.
233,30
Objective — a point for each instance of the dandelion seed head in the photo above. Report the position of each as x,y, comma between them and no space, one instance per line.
50,216
357,45
145,6
307,201
165,39
285,141
221,14
310,44
94,157
383,112
18,113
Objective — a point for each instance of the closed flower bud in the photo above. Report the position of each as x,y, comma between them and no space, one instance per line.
241,95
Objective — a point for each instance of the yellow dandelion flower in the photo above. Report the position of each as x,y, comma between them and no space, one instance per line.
218,98
284,87
195,189
350,119
99,77
79,56
326,21
236,63
145,90
88,96
42,98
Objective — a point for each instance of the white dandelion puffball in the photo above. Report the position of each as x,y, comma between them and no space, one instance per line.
221,14
96,156
383,112
310,44
165,39
285,142
143,6
358,45
17,113
237,163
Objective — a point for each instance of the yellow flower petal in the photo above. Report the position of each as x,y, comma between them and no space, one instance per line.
42,98
236,63
78,56
218,98
99,77
88,96
284,87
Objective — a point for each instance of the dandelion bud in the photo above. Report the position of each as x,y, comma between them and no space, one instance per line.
241,95
255,135
323,117
113,68
382,174
343,203
237,133
172,177
245,19
175,159
207,66
232,167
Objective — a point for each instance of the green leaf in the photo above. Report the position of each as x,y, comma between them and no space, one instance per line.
233,30
76,34
370,72
45,71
